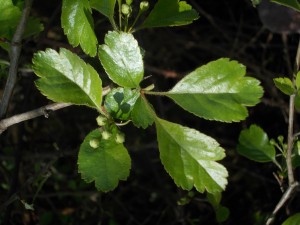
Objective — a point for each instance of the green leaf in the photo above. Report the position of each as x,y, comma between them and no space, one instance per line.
293,220
190,157
294,4
106,164
106,7
285,85
170,13
222,214
64,77
9,20
122,60
77,22
141,114
298,80
217,91
255,145
120,101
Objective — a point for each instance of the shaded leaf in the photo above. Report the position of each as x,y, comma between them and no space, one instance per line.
294,4
170,13
77,22
298,80
106,7
292,220
64,77
217,91
122,60
120,101
255,145
141,115
190,157
106,164
285,85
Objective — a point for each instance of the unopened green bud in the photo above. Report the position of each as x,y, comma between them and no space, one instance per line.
129,2
144,5
126,9
106,135
120,138
94,143
101,120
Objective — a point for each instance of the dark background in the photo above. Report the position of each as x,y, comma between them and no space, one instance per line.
47,148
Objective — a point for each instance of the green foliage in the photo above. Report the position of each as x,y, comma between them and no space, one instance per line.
64,77
189,157
170,13
106,7
294,4
141,113
77,22
285,85
293,220
217,91
255,145
105,164
120,101
122,59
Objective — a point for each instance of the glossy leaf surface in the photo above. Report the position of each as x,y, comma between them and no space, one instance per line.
64,77
285,85
105,164
121,58
141,114
293,220
120,101
217,91
170,13
77,22
255,145
190,157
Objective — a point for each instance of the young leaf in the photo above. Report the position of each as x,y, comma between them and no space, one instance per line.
77,22
217,91
285,85
122,60
170,13
292,220
141,115
120,101
105,163
64,77
255,145
294,4
190,157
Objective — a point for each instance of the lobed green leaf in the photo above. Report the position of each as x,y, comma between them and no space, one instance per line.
170,13
77,22
121,58
190,157
285,85
64,77
255,145
217,91
105,164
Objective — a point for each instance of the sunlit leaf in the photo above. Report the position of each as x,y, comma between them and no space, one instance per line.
105,164
170,13
285,85
64,77
255,145
120,101
77,22
217,91
190,157
122,60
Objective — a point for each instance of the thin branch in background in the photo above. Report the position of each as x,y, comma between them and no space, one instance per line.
15,52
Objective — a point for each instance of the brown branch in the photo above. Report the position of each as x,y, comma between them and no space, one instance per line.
15,52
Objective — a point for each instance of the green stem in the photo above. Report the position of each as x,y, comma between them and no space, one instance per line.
155,93
135,20
120,13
